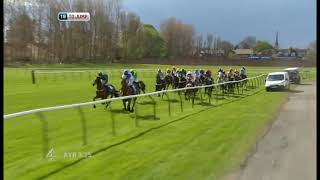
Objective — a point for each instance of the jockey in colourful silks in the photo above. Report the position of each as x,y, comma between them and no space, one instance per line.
190,77
104,78
129,79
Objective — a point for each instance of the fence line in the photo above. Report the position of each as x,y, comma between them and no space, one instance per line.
9,116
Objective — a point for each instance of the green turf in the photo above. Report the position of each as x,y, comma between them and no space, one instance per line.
203,142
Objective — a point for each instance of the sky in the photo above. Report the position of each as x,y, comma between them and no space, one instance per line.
233,20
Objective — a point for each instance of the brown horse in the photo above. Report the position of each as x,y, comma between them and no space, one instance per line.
168,81
127,91
190,93
102,92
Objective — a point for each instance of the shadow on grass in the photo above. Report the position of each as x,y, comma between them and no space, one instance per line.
139,135
304,84
205,104
294,91
147,118
171,100
146,103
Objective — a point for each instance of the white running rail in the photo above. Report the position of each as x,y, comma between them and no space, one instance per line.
9,116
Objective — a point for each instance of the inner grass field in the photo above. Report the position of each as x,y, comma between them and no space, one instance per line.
202,142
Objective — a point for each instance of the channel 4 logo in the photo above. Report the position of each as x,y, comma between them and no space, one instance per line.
74,16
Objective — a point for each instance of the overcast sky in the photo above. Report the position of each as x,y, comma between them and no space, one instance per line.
233,20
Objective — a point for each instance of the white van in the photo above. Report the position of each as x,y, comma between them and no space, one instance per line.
277,80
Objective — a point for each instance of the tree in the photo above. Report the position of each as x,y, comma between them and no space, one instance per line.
226,46
209,41
248,42
152,44
312,51
262,45
178,37
20,34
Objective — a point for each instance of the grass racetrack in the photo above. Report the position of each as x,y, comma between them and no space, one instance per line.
202,142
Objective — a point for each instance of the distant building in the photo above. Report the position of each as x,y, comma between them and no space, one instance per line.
243,53
297,53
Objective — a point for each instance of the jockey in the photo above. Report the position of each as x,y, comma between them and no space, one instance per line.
208,74
202,72
168,72
174,71
160,75
231,73
134,75
197,74
190,77
103,78
243,71
183,71
129,78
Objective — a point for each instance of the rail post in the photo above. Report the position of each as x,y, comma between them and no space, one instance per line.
154,107
181,103
136,114
113,125
169,104
33,77
84,126
45,136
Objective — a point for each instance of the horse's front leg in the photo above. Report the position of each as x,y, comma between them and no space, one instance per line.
129,103
107,103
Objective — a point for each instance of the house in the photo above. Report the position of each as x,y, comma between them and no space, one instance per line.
267,52
243,53
299,53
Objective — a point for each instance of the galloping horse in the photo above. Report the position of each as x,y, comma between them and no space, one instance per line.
168,81
182,81
208,81
175,82
231,85
222,79
160,85
243,83
102,92
127,91
202,79
190,92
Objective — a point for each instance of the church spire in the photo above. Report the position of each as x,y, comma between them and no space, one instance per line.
276,46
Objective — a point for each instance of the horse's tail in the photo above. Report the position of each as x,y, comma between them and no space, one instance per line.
142,86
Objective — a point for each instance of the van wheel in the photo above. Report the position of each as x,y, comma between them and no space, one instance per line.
267,89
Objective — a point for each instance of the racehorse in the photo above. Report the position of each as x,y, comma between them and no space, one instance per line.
102,92
202,79
182,81
127,91
160,85
190,92
243,83
208,81
167,81
222,79
175,82
230,86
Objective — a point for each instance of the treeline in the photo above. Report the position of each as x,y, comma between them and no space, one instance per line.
33,33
